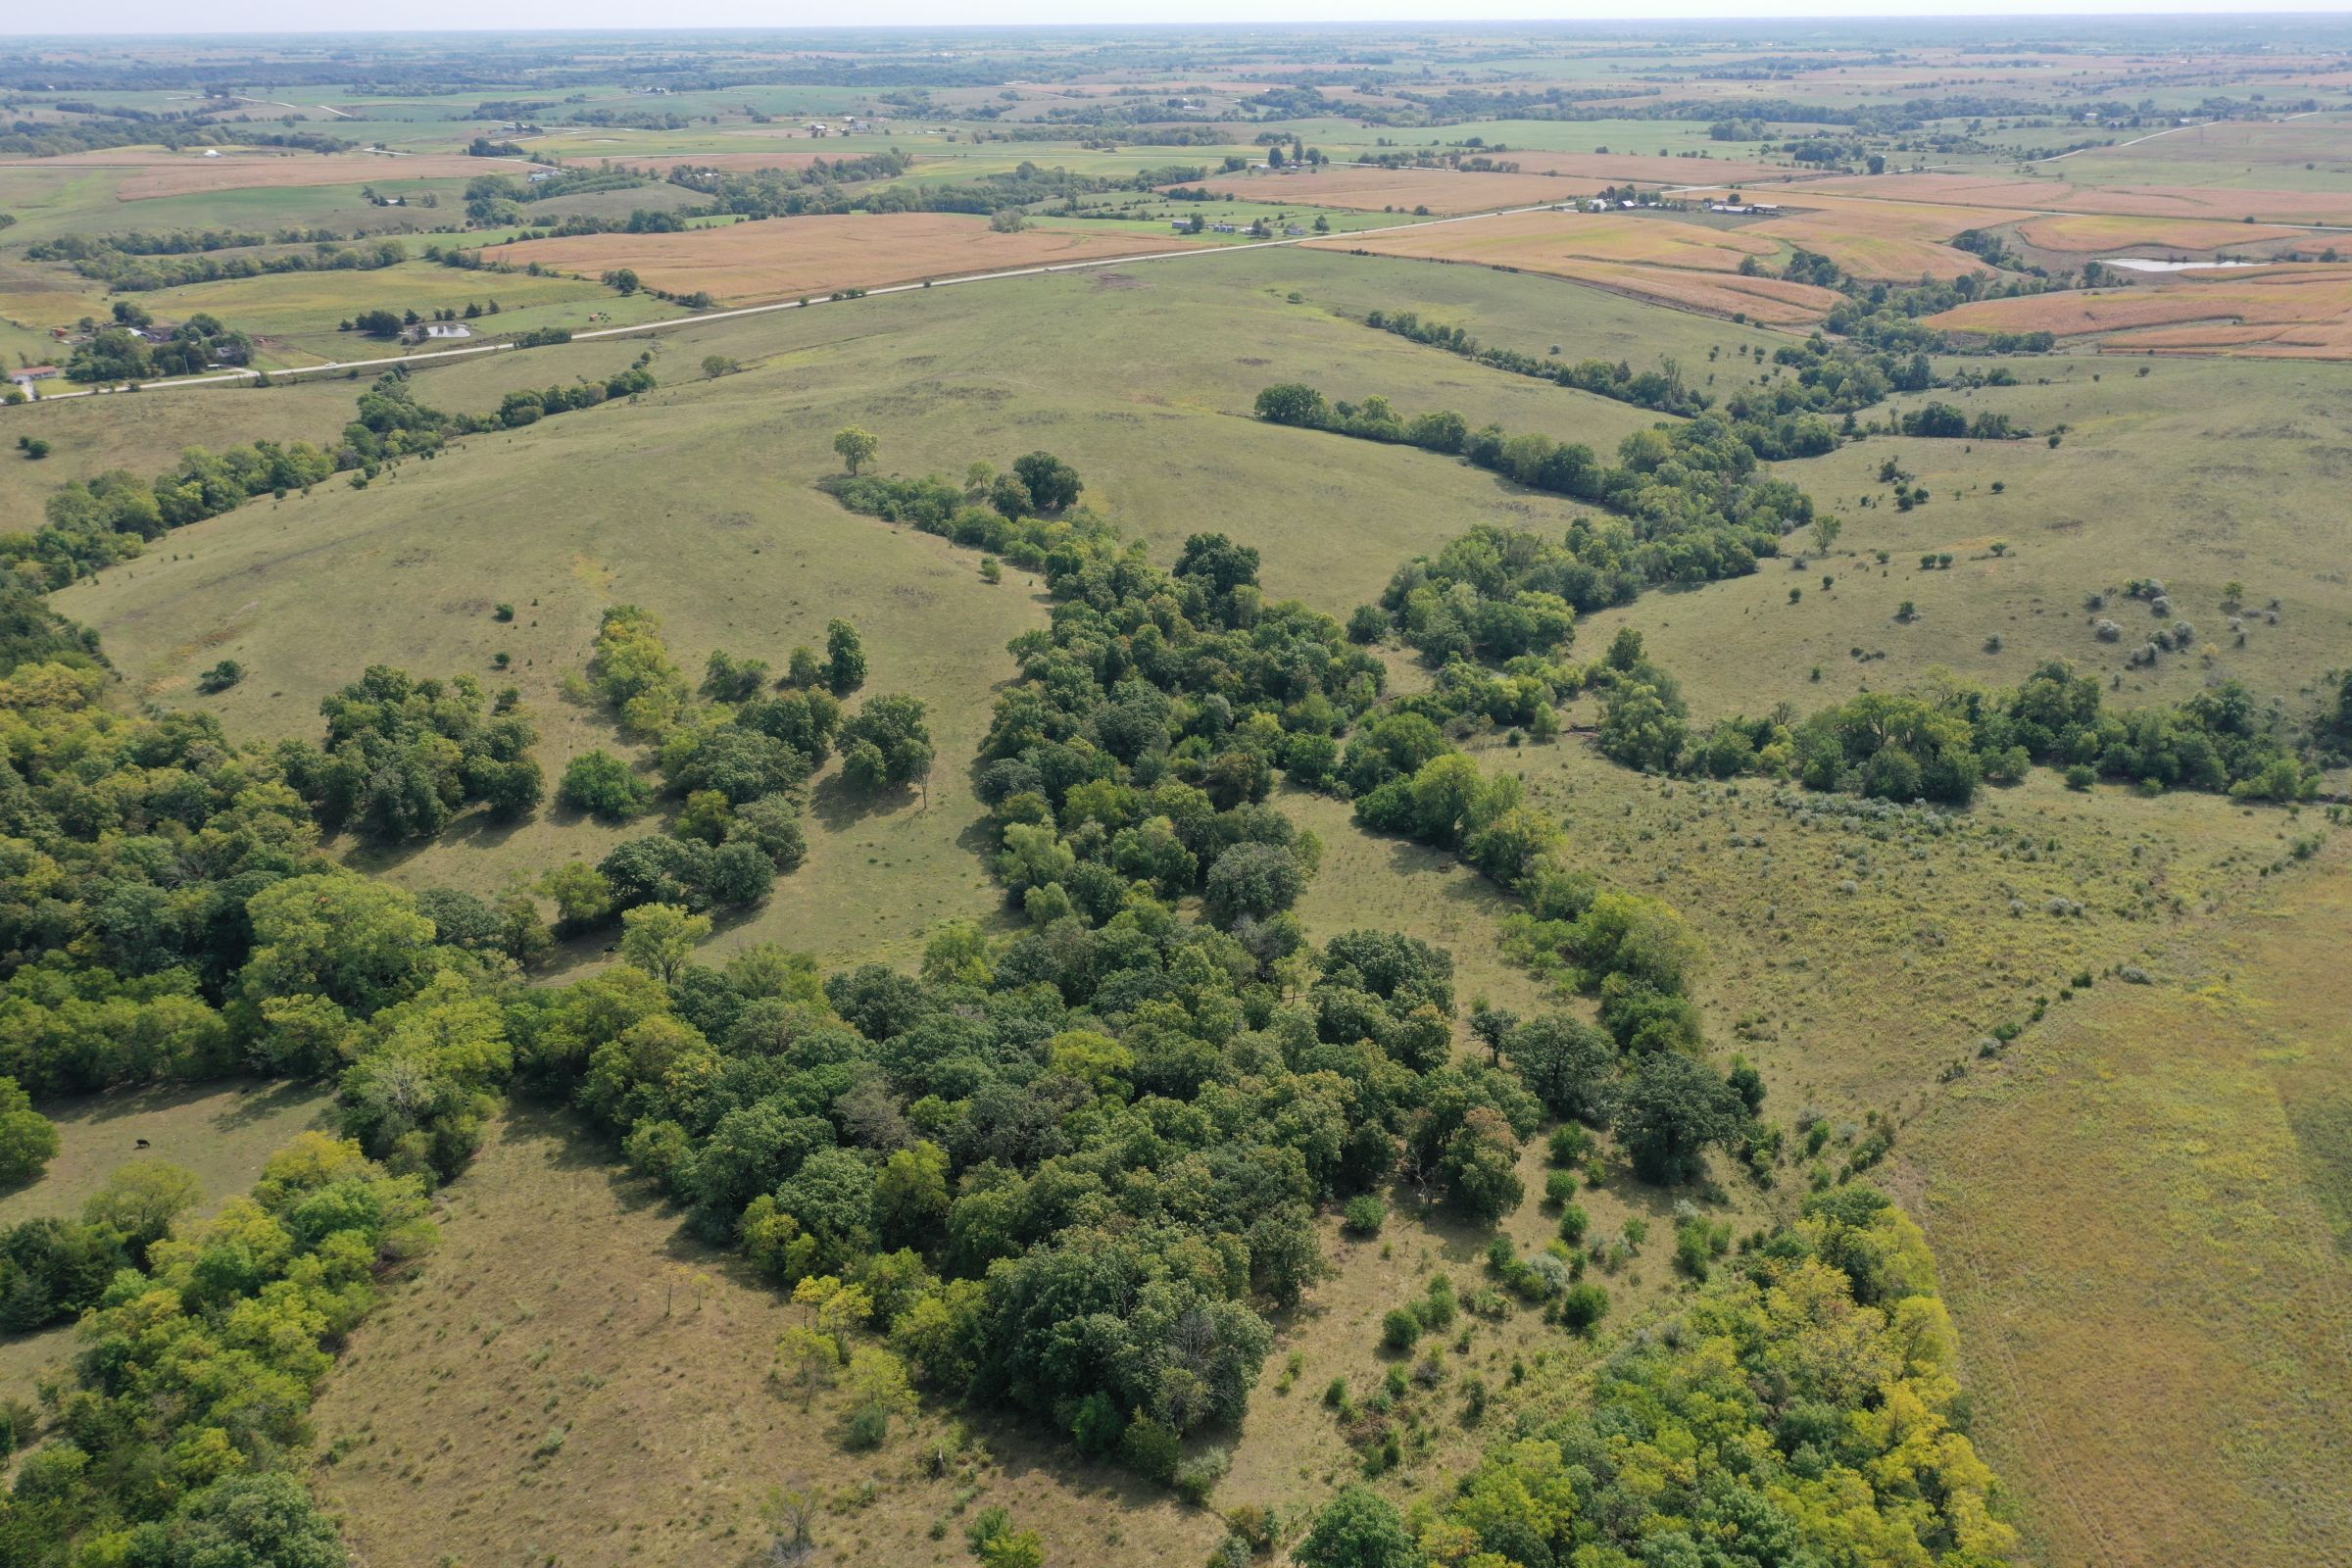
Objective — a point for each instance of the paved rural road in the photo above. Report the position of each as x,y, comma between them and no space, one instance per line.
673,323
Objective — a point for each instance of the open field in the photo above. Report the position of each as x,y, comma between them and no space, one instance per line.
785,257
2095,237
223,1132
2287,312
2151,479
1443,192
2143,1220
1659,259
2255,206
1642,169
1879,241
145,173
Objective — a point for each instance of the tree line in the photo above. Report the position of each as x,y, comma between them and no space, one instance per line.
1696,504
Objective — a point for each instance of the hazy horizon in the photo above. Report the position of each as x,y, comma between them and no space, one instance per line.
153,18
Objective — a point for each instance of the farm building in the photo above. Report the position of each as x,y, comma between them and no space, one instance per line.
32,373
438,331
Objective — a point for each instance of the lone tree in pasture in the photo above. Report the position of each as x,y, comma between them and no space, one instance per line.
857,448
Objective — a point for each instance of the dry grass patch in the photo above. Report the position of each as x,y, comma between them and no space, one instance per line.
788,257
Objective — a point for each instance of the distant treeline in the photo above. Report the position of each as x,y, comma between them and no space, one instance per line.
136,273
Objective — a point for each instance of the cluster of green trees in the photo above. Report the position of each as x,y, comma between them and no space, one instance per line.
122,352
1803,1408
112,263
1887,316
403,756
1662,389
820,188
738,760
1143,737
1496,594
96,523
1066,1173
1945,739
1951,423
181,1433
1699,504
53,1270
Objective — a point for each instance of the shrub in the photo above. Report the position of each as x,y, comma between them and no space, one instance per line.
1574,1222
1583,1306
1401,1330
604,787
1568,1145
1364,1215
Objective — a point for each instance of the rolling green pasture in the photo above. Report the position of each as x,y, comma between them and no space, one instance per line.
2199,473
296,313
86,205
696,501
2142,1219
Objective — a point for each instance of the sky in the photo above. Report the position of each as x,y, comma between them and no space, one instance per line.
31,17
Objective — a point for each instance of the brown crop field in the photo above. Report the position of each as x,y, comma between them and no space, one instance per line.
787,257
1882,241
1531,239
2085,234
148,174
2282,312
1441,190
2289,311
1685,265
1644,168
2062,197
732,162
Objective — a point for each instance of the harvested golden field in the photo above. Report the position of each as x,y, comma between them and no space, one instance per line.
2141,1216
2091,234
1531,239
732,163
1672,262
783,258
1647,169
1771,301
1441,190
149,172
2065,198
2305,309
1880,241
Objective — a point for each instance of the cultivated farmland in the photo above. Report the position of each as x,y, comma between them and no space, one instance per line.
786,258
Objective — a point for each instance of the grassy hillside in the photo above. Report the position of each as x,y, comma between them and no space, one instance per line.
2143,1220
